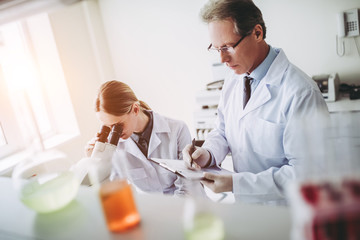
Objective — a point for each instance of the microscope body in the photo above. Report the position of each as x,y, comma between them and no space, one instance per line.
97,168
103,152
101,159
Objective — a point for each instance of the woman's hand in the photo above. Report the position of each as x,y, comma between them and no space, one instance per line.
90,146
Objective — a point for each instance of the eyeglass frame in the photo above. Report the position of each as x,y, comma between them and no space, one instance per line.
226,49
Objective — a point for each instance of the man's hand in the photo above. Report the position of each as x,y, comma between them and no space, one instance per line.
198,159
218,183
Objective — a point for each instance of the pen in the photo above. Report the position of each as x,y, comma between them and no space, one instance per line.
192,150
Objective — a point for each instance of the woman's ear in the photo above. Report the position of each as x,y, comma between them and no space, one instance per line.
136,108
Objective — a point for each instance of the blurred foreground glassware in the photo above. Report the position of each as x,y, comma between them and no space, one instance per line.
118,205
326,210
44,183
200,222
325,200
117,198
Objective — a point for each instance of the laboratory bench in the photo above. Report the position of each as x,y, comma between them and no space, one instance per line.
345,115
161,218
344,104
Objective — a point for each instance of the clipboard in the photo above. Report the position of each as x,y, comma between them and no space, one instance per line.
179,168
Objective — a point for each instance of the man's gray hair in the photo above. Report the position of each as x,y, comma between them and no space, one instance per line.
244,13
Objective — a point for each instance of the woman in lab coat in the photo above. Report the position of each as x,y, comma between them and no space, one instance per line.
146,134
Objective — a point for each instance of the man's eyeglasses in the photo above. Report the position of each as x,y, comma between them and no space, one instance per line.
226,49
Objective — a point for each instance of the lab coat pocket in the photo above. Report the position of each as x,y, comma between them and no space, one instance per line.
268,138
137,173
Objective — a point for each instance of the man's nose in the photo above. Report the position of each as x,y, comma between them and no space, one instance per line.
224,57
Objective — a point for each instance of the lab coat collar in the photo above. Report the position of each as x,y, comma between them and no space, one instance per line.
260,96
273,77
277,68
132,148
159,126
261,70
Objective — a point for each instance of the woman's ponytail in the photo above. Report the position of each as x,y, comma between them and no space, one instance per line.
144,105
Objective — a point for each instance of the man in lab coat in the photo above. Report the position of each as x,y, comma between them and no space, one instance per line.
259,109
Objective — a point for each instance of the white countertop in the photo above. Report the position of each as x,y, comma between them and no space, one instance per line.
161,218
344,104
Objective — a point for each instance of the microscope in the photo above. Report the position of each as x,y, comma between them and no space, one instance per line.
98,166
104,149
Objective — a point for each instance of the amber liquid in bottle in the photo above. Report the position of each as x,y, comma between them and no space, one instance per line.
119,205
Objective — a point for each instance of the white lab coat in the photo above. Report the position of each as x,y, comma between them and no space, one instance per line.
168,138
262,137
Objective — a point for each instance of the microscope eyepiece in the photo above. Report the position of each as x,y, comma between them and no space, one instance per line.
115,134
104,133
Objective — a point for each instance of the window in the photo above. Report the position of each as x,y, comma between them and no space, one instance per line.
3,141
36,109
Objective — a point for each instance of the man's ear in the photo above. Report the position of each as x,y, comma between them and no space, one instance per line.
258,31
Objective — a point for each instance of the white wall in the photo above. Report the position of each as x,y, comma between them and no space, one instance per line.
159,47
306,30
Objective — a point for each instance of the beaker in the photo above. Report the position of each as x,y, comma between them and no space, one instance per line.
118,205
200,222
44,183
117,198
